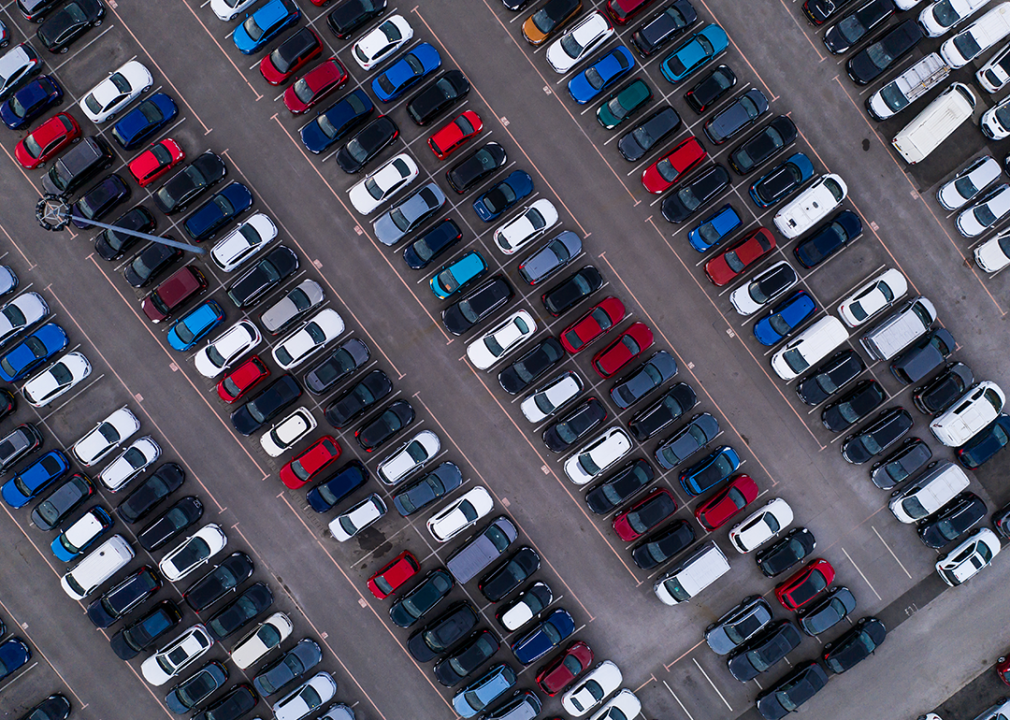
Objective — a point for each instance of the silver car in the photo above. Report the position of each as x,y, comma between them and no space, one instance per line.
21,313
16,66
551,257
738,625
394,224
294,305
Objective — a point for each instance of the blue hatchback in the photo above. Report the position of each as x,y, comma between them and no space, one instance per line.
544,637
697,51
20,489
218,211
194,325
589,83
484,690
336,121
30,101
144,120
406,72
714,229
785,317
325,496
503,195
713,470
13,655
456,274
32,351
264,25
76,539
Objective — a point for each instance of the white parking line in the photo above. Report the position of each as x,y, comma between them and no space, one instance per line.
861,573
721,697
892,552
689,715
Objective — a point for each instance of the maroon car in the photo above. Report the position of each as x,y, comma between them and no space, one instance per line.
564,669
173,292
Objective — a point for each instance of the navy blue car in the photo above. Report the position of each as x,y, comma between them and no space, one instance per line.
31,101
324,496
504,195
221,209
544,637
144,120
828,239
336,121
14,654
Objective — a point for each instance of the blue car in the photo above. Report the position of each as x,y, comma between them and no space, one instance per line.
144,120
503,195
336,121
589,83
785,317
712,470
456,274
264,25
828,239
32,351
694,53
984,445
14,654
781,181
325,496
82,534
194,325
484,690
20,489
406,72
544,637
223,207
714,229
30,101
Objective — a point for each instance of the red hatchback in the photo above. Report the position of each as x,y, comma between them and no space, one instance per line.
644,515
319,455
157,160
291,56
169,296
400,570
46,140
622,11
665,172
805,585
314,85
631,343
725,267
556,676
1003,669
734,497
242,379
457,131
604,316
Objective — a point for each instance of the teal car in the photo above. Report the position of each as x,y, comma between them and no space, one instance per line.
194,325
453,276
623,104
694,53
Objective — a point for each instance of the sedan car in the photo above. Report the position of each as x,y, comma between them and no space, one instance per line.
669,541
47,140
435,485
736,117
694,53
665,25
409,457
59,504
573,290
597,455
191,553
792,691
673,166
854,27
575,425
31,101
26,310
254,600
349,15
140,455
738,625
712,470
853,406
217,211
222,580
994,254
732,262
869,63
443,632
250,287
525,606
329,493
460,514
324,327
508,576
59,31
476,167
146,630
333,123
503,195
900,465
543,638
195,689
782,320
145,120
805,585
889,427
56,380
717,510
99,201
290,666
702,189
263,408
644,515
170,524
354,401
31,352
154,489
477,305
855,645
694,436
584,38
450,88
589,83
760,653
419,62
501,340
385,425
828,239
630,344
827,612
647,377
517,376
968,183
14,654
290,56
589,692
391,178
463,661
382,43
523,229
872,298
781,181
269,21
413,605
348,357
116,91
952,520
396,223
306,92
305,699
366,144
54,707
985,444
634,144
189,183
33,479
565,668
224,350
968,558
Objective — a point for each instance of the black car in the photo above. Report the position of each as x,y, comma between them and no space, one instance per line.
476,166
356,400
736,116
149,263
952,520
423,251
763,145
924,356
451,87
141,634
575,425
852,407
889,427
792,691
942,391
384,426
145,497
854,646
231,706
820,11
710,88
572,290
694,436
18,443
223,579
826,612
797,544
477,305
348,357
828,239
366,144
111,245
635,143
703,188
279,264
99,201
663,545
67,24
624,484
229,619
663,27
290,666
478,648
124,597
867,65
54,707
647,377
443,632
985,443
847,32
900,465
263,408
831,376
325,496
61,502
199,686
664,412
35,10
782,180
421,598
421,493
189,183
509,575
349,15
518,375
171,523
776,641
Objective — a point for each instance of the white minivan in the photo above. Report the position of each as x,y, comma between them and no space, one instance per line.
692,575
934,489
811,206
98,566
935,123
810,346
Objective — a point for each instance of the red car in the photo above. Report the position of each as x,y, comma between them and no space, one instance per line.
157,160
169,296
46,140
314,85
604,316
291,56
644,515
1003,669
319,455
242,379
622,11
454,133
805,585
662,174
631,343
734,497
727,265
384,583
556,676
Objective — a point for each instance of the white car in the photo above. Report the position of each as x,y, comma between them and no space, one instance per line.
141,453
193,552
76,538
391,179
623,705
527,606
460,514
105,437
995,122
230,9
965,560
988,211
761,526
243,243
597,455
178,655
266,636
970,43
551,397
307,697
763,288
939,17
346,525
56,379
502,339
409,457
283,436
597,684
906,4
115,92
994,254
22,312
968,183
324,327
382,42
873,297
969,414
520,231
221,352
568,50
995,74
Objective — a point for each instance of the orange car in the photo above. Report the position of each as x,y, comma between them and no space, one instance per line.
542,25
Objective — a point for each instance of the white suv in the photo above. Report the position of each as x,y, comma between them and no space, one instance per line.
409,457
761,526
588,34
995,74
286,433
221,352
604,679
969,558
872,298
105,437
597,455
324,327
936,19
177,655
970,414
243,243
460,514
382,42
386,182
141,453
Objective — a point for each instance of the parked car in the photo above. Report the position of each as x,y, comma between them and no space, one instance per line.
985,444
728,265
736,117
886,49
691,197
888,427
854,406
805,585
827,612
968,183
738,625
694,53
673,166
854,27
763,145
792,691
968,558
900,465
761,653
665,25
647,134
632,387
460,514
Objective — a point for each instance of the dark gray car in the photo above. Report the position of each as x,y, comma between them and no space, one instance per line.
740,114
343,361
698,433
738,625
750,660
394,224
289,667
551,257
651,374
923,357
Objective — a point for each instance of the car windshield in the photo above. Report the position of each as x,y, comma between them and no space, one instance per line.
586,461
851,29
135,458
965,187
893,97
311,697
913,507
184,333
878,56
594,78
757,293
399,219
688,199
543,21
194,552
347,525
642,137
984,215
966,45
779,324
571,46
302,90
254,31
329,129
196,688
666,170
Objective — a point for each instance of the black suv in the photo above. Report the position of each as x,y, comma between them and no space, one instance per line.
477,305
476,166
77,166
124,597
263,408
451,87
189,183
280,263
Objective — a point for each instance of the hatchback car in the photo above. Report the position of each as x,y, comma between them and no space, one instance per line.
153,490
781,181
290,56
702,189
269,21
667,24
174,292
589,692
195,689
476,167
517,375
763,145
628,346
968,558
503,195
435,638
672,167
550,258
225,578
732,262
549,19
647,377
572,290
827,612
419,62
804,586
58,505
855,645
47,140
873,297
623,484
761,653
484,691
720,508
308,697
288,432
410,214
889,427
56,380
597,455
304,656
451,136
387,181
395,573
694,436
501,340
292,306
189,329
969,414
644,515
308,90
354,401
460,514
854,27
382,42
241,244
81,534
330,492
466,658
710,89
623,104
694,53
792,691
662,545
31,101
736,117
784,318
900,465
477,305
584,38
145,120
263,408
333,123
59,31
189,183
952,520
242,379
432,487
170,524
714,229
526,227
544,637
634,144
852,407
30,481
449,89
385,425
224,350
508,576
712,470
738,625
232,617
594,324
191,553
968,183
250,287
588,84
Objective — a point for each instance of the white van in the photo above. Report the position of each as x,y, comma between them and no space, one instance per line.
810,346
98,566
900,329
692,575
940,17
908,87
978,37
811,206
929,493
995,74
935,123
